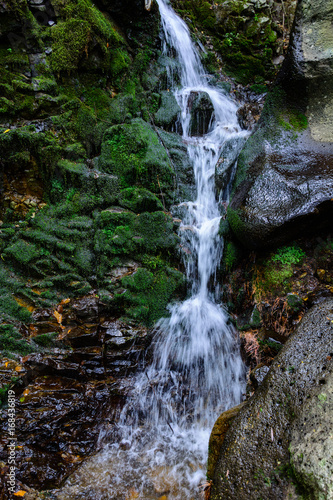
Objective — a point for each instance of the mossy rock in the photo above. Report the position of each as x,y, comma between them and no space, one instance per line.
133,153
168,112
148,293
139,200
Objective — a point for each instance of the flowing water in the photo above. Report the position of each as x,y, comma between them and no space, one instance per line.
196,371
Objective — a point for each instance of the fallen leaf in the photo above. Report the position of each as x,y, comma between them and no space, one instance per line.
8,130
26,392
18,368
58,317
65,301
20,493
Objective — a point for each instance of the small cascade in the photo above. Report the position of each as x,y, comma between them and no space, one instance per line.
196,370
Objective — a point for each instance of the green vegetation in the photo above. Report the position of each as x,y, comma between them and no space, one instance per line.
11,341
280,265
148,293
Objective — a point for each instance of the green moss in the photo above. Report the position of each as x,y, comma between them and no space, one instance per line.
288,255
83,26
12,341
148,293
134,153
235,221
46,339
22,252
231,255
139,200
70,42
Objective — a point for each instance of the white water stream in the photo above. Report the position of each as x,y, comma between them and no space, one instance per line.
196,372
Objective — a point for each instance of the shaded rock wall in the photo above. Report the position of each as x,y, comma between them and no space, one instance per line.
284,179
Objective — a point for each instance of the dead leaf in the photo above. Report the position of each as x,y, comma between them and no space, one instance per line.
18,368
65,301
26,392
20,493
58,317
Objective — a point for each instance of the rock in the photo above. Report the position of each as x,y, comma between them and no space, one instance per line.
139,200
133,151
177,152
291,195
254,457
218,433
202,110
228,157
311,446
284,180
167,115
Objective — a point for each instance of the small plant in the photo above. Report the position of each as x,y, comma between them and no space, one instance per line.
288,255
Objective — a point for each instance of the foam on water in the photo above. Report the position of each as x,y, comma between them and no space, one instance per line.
196,370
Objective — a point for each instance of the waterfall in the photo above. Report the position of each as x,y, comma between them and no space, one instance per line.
196,370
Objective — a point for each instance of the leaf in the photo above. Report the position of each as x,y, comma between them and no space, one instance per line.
18,368
65,301
58,317
8,130
26,392
20,493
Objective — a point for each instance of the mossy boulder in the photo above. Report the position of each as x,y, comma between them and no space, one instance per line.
247,35
134,153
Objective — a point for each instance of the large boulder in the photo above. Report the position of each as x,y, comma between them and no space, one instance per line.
311,444
284,182
254,460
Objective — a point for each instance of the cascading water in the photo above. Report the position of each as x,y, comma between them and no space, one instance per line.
196,371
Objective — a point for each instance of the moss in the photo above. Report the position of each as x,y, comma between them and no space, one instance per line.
70,42
235,220
231,255
22,252
133,152
148,293
12,341
279,267
139,200
82,27
46,339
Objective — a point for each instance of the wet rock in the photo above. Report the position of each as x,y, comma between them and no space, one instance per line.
227,161
284,179
202,110
167,115
254,456
292,193
177,152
